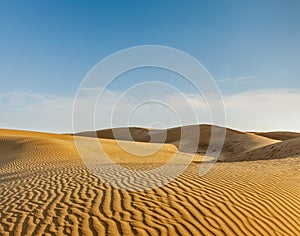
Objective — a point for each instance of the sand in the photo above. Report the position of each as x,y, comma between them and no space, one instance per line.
45,189
236,143
279,135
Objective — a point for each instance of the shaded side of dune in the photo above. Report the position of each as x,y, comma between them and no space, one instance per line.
279,135
236,143
286,149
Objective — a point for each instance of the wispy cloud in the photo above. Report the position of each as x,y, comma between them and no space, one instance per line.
36,111
264,110
236,79
255,110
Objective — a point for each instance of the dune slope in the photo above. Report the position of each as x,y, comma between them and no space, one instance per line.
235,142
288,148
45,189
279,135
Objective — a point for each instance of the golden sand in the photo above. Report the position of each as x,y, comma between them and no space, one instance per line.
45,189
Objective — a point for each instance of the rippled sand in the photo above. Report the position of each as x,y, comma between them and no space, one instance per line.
46,189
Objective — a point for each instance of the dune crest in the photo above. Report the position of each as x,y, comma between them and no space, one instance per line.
279,135
237,145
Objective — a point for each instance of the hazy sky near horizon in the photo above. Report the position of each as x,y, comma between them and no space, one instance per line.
251,48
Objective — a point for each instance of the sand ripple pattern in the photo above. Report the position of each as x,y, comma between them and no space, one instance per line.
46,190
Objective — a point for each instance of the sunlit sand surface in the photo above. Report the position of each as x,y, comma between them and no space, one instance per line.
45,189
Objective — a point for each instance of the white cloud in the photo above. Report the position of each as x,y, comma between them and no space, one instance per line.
236,79
256,110
264,110
36,111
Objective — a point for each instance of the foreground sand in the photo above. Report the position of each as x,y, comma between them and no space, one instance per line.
45,189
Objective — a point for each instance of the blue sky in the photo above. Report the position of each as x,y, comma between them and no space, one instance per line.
47,47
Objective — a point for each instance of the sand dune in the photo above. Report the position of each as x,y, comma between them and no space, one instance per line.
235,142
279,135
287,148
45,189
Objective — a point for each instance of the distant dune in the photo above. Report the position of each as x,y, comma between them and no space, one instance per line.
45,188
279,135
285,149
237,144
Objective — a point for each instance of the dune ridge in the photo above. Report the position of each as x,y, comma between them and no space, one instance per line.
279,135
237,145
45,189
